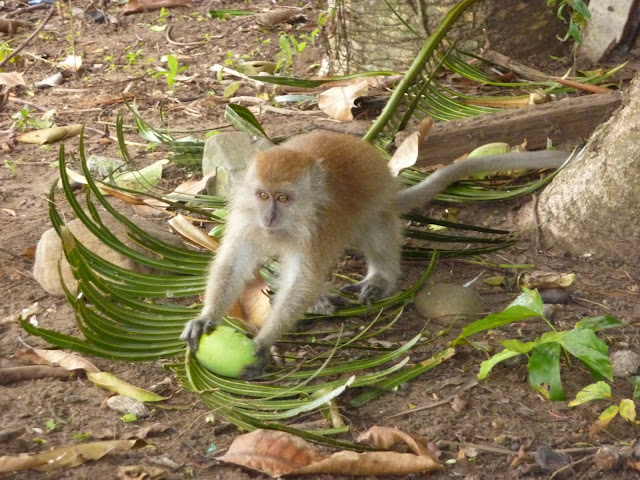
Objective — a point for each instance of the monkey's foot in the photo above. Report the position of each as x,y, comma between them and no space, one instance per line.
327,304
256,369
194,329
370,290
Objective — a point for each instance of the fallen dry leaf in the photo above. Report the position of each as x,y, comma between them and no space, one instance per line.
137,6
387,437
338,101
148,431
272,452
50,135
276,17
407,153
55,358
12,79
12,26
186,229
253,306
66,457
279,453
110,382
141,472
371,463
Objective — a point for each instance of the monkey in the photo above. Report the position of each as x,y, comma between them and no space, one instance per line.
304,202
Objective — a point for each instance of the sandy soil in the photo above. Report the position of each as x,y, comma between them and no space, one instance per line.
502,412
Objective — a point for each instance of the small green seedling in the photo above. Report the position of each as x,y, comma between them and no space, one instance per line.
174,70
578,16
626,408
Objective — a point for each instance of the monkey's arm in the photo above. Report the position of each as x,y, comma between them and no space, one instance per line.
425,191
300,284
233,266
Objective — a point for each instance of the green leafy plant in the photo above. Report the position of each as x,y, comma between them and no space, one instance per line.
24,120
174,70
111,65
163,15
5,51
289,46
578,14
132,57
544,352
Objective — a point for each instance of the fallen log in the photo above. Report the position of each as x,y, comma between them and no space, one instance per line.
567,121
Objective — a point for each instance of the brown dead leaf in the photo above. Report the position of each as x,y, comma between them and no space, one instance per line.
148,431
12,79
633,465
137,6
50,135
56,358
407,153
141,472
253,307
186,229
542,279
272,452
371,463
337,102
66,457
29,252
12,26
387,437
276,17
280,453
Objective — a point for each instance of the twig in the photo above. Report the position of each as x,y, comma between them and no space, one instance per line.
520,69
469,384
167,35
20,11
16,50
483,448
569,466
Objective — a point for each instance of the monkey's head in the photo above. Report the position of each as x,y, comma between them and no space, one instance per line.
284,189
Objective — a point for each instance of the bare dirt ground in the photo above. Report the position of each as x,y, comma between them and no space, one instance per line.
502,412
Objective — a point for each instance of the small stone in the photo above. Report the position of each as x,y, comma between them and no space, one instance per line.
624,363
126,405
444,303
607,459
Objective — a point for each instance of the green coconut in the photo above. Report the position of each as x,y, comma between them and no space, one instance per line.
225,351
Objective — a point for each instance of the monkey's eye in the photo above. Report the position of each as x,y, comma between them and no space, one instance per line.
263,195
283,198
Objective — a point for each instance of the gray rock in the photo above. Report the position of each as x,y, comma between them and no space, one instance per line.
229,154
444,303
100,166
126,405
624,363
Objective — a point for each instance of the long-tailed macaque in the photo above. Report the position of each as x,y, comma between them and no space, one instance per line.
306,200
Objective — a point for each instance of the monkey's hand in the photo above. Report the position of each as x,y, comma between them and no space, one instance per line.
256,369
194,329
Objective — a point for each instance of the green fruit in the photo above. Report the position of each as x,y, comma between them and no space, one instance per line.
225,351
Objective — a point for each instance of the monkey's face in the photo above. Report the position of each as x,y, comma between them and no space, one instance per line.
273,208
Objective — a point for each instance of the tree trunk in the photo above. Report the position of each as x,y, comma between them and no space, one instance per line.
593,205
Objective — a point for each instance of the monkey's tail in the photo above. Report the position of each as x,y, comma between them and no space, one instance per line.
425,191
